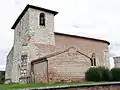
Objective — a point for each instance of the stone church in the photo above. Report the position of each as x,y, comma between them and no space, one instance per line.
41,55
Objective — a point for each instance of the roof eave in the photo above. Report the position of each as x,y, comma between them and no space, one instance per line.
34,7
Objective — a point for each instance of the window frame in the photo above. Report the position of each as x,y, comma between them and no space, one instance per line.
93,59
24,57
42,19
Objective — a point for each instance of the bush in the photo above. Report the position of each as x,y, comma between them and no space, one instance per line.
2,77
106,73
116,74
93,74
98,74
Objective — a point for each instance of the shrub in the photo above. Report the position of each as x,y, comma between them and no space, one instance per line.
2,77
98,74
93,74
116,74
106,73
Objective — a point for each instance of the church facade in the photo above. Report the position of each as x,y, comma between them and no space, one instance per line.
41,55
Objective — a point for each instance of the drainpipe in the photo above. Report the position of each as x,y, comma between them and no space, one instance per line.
47,73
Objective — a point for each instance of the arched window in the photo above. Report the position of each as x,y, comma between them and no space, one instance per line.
42,19
93,60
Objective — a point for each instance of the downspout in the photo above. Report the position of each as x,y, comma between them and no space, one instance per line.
47,72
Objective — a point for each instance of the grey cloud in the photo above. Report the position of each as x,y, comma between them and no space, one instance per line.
17,2
76,26
117,45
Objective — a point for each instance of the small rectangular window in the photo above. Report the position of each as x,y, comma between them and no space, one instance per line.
23,57
23,63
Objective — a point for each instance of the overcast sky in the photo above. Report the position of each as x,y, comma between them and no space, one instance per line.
92,18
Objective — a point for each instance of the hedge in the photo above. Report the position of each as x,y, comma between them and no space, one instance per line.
106,73
115,74
93,74
98,74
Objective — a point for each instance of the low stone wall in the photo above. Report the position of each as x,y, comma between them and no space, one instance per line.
99,86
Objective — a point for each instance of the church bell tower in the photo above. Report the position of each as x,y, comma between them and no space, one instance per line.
34,25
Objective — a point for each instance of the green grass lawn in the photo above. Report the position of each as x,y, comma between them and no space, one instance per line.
15,86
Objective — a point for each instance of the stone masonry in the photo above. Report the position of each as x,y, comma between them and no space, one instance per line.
28,31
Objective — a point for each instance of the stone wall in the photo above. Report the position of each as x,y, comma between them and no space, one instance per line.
69,66
42,34
9,66
28,32
19,39
85,46
99,86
